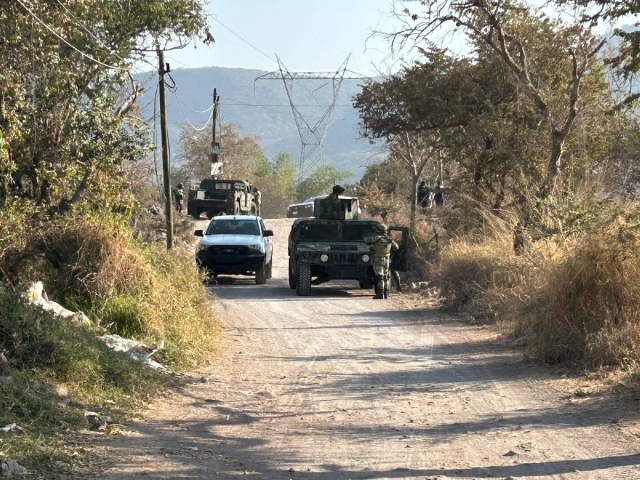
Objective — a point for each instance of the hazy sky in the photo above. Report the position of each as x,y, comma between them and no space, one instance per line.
308,35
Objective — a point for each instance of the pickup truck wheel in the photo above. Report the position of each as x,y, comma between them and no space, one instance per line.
269,269
303,286
196,215
210,214
292,275
254,209
261,275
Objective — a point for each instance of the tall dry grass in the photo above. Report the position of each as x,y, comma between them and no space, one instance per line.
126,286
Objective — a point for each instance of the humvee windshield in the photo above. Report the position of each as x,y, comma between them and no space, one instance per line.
320,231
356,231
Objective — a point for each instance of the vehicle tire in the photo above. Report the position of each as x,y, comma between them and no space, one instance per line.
254,209
292,276
269,269
261,275
380,289
210,214
303,284
196,215
365,284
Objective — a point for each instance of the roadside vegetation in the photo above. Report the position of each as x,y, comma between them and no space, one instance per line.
75,184
535,138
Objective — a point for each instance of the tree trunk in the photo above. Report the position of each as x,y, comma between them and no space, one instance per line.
555,161
414,202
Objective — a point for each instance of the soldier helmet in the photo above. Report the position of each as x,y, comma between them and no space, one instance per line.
381,227
180,185
338,189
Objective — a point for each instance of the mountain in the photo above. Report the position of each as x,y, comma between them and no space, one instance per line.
262,109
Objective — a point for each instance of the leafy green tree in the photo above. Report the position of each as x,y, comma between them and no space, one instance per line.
68,117
320,182
551,60
276,181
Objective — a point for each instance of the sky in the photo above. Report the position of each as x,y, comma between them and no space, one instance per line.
307,35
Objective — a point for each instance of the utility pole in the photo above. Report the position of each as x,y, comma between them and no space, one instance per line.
166,168
216,168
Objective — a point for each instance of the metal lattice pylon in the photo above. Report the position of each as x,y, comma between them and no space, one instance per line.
312,135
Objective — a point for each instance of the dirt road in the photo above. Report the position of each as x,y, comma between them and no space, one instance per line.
341,386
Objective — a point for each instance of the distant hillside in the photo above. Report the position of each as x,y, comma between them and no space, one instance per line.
273,122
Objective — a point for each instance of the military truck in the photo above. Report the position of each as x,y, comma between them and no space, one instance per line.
322,250
214,197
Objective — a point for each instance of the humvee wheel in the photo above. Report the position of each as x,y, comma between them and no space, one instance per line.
303,284
196,215
254,209
365,284
210,214
292,276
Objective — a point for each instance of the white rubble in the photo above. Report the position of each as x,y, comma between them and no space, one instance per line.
136,350
37,296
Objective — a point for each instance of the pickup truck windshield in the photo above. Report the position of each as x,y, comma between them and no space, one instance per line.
233,227
320,231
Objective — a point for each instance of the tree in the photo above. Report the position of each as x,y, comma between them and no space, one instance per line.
276,180
320,182
67,114
548,58
239,153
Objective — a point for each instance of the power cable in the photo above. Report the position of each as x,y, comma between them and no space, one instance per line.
86,55
245,41
187,118
94,36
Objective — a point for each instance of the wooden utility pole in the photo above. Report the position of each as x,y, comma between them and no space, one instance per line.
215,147
166,168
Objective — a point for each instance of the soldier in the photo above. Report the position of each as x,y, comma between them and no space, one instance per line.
423,194
178,194
381,247
439,196
257,199
331,206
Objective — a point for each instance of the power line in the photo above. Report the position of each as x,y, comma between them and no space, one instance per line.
86,55
245,41
187,118
94,36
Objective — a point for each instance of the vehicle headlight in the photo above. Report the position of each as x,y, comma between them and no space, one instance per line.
324,258
366,258
255,248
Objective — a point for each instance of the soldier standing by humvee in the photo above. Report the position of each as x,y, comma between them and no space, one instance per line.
381,247
257,199
178,194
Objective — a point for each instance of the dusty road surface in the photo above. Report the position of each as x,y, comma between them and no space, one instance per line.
341,386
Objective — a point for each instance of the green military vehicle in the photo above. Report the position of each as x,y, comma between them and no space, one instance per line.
216,197
321,250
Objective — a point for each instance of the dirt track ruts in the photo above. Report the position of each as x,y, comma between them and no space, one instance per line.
341,386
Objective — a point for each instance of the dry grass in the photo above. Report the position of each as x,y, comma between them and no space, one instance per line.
571,298
130,288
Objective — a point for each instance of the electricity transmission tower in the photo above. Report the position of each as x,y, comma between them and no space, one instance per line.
312,134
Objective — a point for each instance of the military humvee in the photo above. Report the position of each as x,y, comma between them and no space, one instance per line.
214,197
321,250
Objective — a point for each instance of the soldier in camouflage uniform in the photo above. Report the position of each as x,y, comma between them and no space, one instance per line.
178,194
381,247
257,199
331,206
